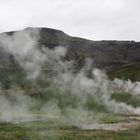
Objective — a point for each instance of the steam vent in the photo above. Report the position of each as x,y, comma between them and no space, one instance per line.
57,87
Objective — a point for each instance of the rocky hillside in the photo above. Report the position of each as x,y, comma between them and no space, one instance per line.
116,57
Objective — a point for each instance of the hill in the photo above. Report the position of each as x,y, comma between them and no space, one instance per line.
110,55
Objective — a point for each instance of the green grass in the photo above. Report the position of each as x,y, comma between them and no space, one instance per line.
22,132
102,135
111,118
126,72
14,132
127,98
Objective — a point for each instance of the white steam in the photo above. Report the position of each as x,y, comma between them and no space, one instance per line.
33,59
24,47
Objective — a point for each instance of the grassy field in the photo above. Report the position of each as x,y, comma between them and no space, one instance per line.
49,131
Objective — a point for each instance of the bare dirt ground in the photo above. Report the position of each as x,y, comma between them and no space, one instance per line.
133,123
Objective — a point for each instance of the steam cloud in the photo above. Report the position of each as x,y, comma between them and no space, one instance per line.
32,57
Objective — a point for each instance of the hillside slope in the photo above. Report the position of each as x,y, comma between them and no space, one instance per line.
107,55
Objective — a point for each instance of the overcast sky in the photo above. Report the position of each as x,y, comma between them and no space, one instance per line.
92,19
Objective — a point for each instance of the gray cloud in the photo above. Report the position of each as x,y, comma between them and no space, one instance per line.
93,19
